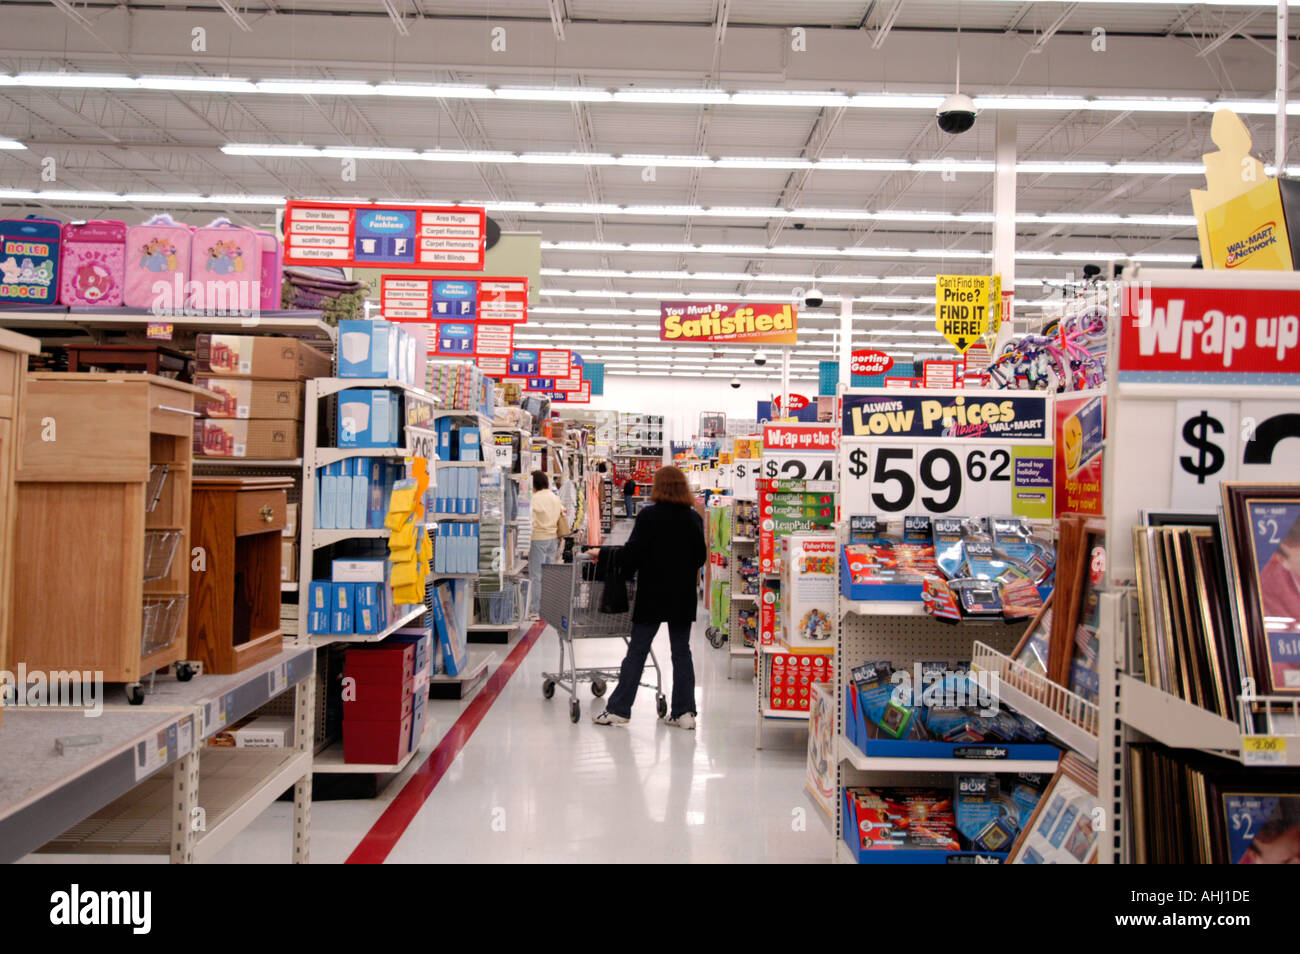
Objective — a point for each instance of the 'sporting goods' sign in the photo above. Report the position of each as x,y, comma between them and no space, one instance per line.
870,362
1200,336
977,415
447,298
966,306
692,322
365,235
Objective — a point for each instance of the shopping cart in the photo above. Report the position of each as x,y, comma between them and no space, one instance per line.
571,599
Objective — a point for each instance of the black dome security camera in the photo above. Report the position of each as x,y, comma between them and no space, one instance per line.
956,114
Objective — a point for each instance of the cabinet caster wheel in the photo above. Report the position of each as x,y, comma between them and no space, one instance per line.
575,710
661,705
135,693
598,687
548,688
185,671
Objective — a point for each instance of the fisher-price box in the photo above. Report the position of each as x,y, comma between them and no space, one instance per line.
93,267
29,261
809,590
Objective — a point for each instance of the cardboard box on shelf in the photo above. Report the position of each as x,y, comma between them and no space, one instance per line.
248,356
253,439
290,521
265,732
249,397
288,561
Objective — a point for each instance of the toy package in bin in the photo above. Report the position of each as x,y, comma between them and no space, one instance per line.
915,555
977,598
1026,792
949,536
909,818
987,819
1015,538
984,561
940,601
1020,600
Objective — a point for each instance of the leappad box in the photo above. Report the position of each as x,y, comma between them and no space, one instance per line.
246,356
254,439
249,398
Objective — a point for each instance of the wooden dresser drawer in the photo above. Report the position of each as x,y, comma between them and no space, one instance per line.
171,411
258,511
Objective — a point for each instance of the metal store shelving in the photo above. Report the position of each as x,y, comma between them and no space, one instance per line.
99,799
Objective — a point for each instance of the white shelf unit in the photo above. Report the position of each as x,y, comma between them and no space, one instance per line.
316,457
402,621
62,321
153,812
903,637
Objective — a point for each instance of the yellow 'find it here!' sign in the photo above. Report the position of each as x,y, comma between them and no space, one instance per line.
962,308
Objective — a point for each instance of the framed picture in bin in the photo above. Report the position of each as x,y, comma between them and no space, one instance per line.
1066,824
1263,538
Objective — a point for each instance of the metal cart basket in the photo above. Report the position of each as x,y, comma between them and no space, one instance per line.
571,603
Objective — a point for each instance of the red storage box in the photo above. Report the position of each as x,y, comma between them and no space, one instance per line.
379,703
376,743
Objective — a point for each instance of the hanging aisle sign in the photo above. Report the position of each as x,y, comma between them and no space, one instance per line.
365,235
424,298
747,452
695,322
453,339
962,312
942,453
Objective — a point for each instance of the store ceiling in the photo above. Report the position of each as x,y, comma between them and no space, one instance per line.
838,208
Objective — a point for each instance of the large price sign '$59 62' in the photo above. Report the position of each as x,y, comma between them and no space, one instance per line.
946,453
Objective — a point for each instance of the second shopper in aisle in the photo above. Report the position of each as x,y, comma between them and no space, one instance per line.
665,550
549,524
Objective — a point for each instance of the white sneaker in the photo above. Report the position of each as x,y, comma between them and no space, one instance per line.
684,721
608,718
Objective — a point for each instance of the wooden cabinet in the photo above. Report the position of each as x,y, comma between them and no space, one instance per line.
102,543
234,612
14,350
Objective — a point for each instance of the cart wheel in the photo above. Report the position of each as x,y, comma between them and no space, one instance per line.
661,704
575,709
135,693
598,687
717,637
548,688
185,671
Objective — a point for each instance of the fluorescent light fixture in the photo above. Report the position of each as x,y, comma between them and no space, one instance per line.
771,98
11,144
745,251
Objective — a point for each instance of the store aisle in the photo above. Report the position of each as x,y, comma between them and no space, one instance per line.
529,786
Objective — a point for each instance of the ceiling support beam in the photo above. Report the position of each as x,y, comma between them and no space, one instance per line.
1052,30
559,12
881,33
1227,34
396,16
235,15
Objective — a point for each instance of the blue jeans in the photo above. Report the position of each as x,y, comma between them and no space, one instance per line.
629,676
539,552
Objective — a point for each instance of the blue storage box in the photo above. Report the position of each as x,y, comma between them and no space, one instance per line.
369,417
365,347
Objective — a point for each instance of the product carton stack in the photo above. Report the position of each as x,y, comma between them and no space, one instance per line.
381,705
260,380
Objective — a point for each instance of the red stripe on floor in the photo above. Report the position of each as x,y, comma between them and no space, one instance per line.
392,824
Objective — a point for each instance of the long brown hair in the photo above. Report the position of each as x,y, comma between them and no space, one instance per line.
670,486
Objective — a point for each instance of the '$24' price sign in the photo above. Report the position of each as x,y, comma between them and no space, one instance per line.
936,479
799,452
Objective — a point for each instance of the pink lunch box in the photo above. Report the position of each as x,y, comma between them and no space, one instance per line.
157,251
272,259
93,264
225,268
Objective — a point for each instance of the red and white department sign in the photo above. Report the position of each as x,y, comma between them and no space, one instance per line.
554,363
800,451
1179,335
367,235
